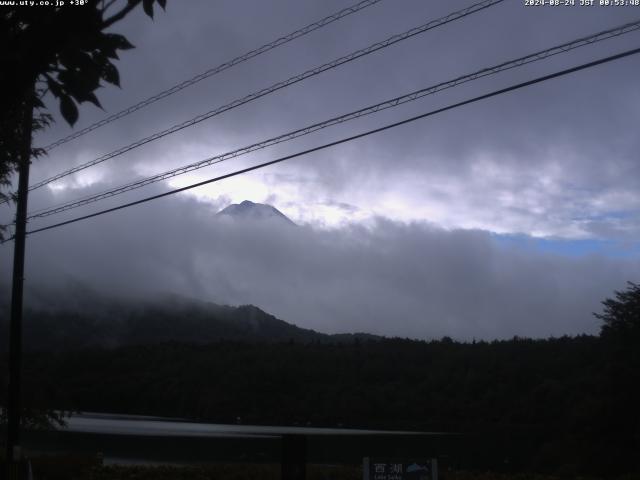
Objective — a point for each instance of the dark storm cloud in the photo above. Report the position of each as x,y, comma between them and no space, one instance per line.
581,122
413,280
557,160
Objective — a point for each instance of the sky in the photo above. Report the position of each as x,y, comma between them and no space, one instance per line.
516,215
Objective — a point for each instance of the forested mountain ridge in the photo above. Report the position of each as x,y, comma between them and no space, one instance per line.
111,323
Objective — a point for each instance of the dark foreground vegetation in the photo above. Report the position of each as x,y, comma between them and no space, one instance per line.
78,468
75,468
569,403
565,406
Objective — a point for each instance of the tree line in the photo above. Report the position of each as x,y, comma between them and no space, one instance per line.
560,405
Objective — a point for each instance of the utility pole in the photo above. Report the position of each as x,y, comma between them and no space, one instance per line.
14,454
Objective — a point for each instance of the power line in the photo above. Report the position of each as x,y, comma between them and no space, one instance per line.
534,57
278,86
351,138
215,70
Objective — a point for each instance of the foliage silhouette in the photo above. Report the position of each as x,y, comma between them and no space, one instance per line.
63,51
621,316
620,332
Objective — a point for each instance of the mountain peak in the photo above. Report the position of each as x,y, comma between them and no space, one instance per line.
254,211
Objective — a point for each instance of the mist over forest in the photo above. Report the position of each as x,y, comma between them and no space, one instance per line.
384,277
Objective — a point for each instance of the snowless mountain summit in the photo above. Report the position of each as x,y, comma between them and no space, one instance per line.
254,211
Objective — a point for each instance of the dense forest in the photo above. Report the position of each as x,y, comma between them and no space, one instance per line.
564,405
95,321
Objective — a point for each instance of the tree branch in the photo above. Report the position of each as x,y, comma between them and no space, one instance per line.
120,15
108,5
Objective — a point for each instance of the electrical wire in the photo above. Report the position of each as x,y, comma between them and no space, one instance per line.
394,102
215,70
348,139
278,86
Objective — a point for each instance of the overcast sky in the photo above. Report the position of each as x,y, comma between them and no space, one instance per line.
513,216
